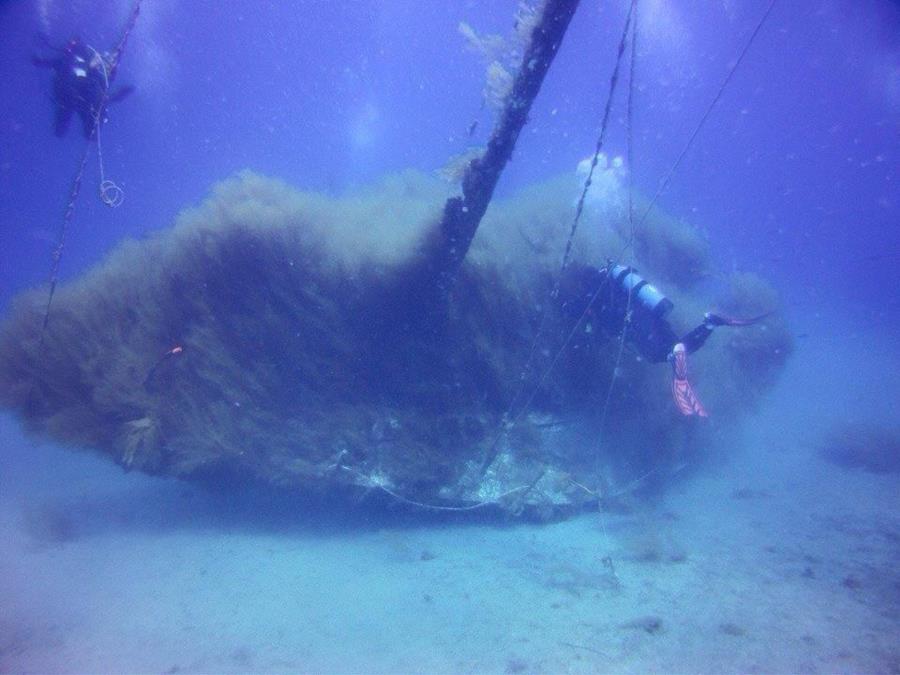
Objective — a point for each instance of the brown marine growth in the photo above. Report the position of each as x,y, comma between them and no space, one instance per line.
375,341
308,360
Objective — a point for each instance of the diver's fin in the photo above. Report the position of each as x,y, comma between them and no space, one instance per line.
682,392
719,320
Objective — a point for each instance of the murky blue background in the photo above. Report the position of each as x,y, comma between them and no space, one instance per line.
794,176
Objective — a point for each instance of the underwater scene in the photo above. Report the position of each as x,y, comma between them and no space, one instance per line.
384,336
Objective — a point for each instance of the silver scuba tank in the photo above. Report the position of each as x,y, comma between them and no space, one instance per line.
642,292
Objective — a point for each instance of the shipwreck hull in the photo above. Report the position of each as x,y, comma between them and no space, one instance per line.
312,356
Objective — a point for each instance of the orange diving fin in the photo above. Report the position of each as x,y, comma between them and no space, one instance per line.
685,398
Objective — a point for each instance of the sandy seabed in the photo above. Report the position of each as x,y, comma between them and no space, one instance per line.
769,560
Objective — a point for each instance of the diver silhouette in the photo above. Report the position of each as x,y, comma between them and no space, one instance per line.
81,84
616,296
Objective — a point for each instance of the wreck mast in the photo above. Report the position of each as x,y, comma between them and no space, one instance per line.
462,214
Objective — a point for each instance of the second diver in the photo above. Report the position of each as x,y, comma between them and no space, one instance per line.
82,78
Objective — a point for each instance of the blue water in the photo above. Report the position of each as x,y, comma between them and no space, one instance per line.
765,558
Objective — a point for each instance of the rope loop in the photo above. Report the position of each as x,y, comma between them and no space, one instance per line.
111,193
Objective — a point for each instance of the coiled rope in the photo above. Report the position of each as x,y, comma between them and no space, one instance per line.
111,193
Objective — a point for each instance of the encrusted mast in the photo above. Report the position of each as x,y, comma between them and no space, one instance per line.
462,214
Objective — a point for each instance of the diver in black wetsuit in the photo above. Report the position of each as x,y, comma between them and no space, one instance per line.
616,293
81,85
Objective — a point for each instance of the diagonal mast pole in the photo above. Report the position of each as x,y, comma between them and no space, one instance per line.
462,214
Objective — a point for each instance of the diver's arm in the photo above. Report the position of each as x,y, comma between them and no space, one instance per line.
120,93
41,62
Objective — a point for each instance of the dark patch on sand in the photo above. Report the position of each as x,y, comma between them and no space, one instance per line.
649,624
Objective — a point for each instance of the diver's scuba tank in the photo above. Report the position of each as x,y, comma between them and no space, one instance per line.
643,293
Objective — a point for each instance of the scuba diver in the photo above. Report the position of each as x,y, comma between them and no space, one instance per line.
615,295
81,84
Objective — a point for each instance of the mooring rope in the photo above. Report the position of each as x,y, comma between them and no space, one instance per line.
58,249
505,424
629,247
120,47
667,177
108,189
368,482
604,125
441,507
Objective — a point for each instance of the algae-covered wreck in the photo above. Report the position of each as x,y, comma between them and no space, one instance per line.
375,341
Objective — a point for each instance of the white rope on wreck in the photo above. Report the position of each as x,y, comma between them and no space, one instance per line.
379,485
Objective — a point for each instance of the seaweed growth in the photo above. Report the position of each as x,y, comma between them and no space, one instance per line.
310,357
502,54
